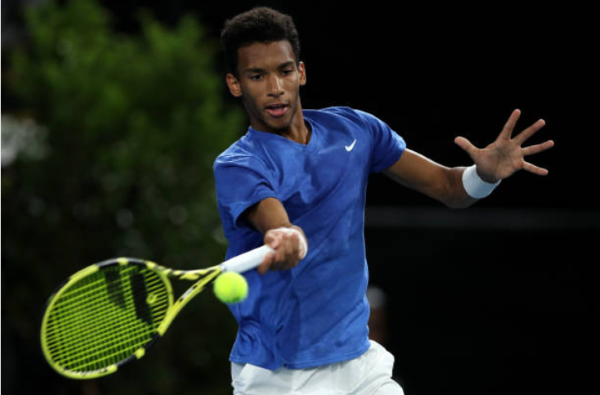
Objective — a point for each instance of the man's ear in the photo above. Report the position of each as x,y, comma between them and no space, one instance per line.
234,85
302,71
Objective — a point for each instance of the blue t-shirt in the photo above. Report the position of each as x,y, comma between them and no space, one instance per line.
316,313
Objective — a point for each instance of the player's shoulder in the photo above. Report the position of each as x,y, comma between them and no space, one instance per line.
240,153
340,113
333,112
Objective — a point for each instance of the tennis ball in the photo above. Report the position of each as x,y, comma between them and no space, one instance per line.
231,287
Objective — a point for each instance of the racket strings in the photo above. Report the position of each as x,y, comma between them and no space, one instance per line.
73,310
73,330
121,336
106,317
100,330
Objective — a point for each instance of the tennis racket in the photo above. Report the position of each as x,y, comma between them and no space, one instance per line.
110,313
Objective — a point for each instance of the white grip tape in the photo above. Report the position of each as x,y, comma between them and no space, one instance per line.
474,185
303,246
246,261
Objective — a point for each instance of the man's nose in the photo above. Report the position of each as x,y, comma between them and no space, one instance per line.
274,86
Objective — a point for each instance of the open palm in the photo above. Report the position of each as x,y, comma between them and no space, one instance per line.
505,156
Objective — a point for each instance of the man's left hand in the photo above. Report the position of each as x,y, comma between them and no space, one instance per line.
505,156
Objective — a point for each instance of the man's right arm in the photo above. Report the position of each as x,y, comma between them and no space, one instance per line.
270,218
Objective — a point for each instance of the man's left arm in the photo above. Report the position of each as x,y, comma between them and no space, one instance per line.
460,187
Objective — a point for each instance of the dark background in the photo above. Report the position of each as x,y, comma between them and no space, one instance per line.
437,72
502,297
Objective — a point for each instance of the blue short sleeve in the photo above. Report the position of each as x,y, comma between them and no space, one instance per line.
387,145
316,313
240,182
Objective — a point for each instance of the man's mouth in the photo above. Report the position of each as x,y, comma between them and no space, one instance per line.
277,110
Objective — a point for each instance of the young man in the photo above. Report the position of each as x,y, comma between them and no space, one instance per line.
297,182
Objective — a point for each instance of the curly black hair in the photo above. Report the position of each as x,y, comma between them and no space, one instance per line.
260,24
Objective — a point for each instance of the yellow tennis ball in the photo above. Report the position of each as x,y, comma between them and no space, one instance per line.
231,287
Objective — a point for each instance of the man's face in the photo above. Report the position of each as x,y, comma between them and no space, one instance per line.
269,85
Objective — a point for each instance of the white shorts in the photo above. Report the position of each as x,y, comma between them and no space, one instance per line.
371,373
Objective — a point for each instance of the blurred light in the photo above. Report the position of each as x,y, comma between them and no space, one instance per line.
124,218
36,206
22,137
178,215
218,235
376,297
111,182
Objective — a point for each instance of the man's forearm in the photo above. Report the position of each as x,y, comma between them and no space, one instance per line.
455,195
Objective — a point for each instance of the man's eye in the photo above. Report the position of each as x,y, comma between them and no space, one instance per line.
255,77
288,71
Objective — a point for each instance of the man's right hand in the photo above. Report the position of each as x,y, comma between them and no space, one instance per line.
288,241
289,245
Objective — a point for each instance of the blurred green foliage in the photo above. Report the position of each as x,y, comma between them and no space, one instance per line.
128,127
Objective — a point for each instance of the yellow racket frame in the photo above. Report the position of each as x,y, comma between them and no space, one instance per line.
204,277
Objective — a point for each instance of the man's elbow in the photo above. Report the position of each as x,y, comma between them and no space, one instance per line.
452,192
455,197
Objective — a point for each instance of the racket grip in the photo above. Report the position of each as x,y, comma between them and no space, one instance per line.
246,261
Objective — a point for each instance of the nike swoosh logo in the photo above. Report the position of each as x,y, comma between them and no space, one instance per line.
351,146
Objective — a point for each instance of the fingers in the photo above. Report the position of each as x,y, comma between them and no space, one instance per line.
276,261
466,145
530,131
510,125
266,263
535,169
286,254
534,149
505,156
273,239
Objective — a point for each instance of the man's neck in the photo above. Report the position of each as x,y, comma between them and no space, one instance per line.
298,130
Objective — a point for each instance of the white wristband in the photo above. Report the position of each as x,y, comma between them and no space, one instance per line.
474,185
303,246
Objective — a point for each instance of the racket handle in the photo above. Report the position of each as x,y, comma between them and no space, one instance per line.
246,261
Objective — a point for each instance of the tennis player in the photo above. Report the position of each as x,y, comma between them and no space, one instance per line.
297,181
